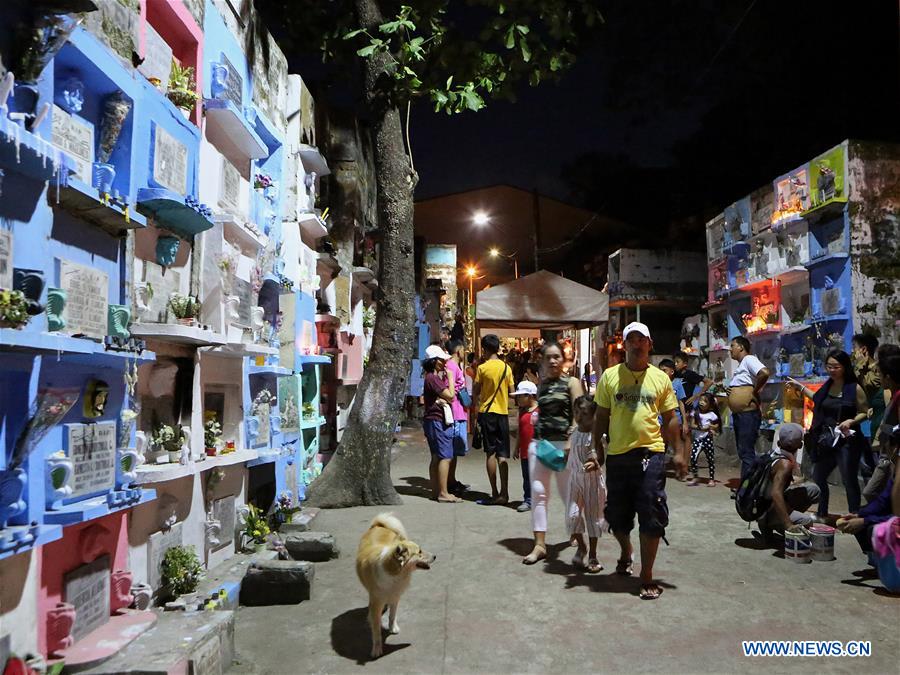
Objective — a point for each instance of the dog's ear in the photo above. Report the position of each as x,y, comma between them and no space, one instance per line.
401,553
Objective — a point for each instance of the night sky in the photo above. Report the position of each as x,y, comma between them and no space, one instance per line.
678,108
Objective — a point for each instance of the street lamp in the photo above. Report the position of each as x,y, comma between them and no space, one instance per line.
481,218
495,253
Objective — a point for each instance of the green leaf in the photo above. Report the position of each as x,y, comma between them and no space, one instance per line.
449,81
501,8
522,29
368,50
389,27
555,63
415,83
510,38
353,33
526,51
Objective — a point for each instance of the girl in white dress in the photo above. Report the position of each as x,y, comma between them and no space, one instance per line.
586,494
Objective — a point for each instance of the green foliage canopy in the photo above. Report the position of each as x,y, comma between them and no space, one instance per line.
454,54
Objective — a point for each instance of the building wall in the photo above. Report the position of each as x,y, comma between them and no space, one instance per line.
874,173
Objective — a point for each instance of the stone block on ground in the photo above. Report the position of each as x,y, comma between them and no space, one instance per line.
311,546
180,642
229,575
301,522
277,582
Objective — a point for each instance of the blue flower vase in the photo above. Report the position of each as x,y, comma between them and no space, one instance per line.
12,485
219,83
103,176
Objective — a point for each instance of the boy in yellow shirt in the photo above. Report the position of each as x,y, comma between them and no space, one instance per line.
491,390
631,398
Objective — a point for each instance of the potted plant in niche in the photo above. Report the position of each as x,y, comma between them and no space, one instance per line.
212,434
186,308
182,88
13,309
181,571
256,529
168,439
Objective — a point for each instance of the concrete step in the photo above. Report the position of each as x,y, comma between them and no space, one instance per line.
311,546
197,642
277,582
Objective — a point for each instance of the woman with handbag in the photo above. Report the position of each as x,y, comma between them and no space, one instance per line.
834,438
437,422
549,451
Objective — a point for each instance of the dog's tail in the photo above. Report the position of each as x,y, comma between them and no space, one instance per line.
391,522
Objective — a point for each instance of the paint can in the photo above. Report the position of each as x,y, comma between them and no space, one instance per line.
796,546
821,543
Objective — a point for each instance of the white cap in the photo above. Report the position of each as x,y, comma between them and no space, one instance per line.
436,352
636,327
526,388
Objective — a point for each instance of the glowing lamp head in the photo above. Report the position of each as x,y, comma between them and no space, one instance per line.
480,218
494,252
471,271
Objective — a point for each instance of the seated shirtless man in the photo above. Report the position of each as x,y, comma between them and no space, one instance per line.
789,502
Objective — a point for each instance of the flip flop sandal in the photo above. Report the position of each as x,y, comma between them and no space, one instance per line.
625,567
650,591
531,558
594,566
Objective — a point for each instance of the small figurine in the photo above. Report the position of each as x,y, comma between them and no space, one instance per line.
95,395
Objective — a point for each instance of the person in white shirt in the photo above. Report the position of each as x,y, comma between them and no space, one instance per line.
743,398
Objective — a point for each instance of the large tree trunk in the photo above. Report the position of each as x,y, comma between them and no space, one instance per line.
359,473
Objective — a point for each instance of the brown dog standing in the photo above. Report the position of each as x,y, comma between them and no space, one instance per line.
384,564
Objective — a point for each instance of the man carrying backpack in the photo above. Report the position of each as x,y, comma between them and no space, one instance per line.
788,502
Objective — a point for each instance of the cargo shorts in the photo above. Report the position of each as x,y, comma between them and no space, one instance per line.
636,484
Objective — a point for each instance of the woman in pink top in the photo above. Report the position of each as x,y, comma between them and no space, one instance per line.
455,369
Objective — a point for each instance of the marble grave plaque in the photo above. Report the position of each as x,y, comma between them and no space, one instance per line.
290,480
229,197
223,511
92,449
234,86
831,301
157,545
207,658
87,587
157,56
164,282
6,259
797,366
170,158
244,291
75,136
86,302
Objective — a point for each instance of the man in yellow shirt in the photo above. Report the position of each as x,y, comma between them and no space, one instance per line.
631,398
493,384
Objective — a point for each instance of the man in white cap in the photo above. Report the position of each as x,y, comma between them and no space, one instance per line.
632,397
789,502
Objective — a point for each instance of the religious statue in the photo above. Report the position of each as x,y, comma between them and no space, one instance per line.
95,394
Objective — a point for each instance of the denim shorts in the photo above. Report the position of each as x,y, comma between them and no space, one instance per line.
439,437
460,440
633,489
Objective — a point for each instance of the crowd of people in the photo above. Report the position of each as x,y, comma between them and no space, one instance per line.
605,437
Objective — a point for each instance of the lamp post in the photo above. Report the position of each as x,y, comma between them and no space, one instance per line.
495,253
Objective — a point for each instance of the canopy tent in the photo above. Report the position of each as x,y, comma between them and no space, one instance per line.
541,300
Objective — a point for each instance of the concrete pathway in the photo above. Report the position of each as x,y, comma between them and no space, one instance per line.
479,610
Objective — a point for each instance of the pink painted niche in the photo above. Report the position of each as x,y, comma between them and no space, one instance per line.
80,544
177,26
